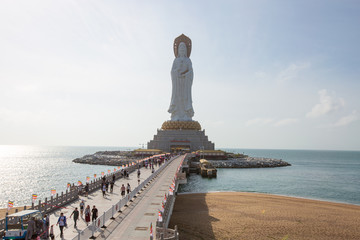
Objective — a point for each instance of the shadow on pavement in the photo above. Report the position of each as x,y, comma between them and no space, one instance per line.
191,215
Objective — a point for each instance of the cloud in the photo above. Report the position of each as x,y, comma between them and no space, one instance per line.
259,121
286,121
354,116
291,72
328,104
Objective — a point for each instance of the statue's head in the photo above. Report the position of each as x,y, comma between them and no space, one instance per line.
182,51
182,39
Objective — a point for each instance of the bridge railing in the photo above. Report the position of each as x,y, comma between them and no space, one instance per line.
162,230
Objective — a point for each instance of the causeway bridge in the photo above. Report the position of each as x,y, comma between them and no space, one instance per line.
130,217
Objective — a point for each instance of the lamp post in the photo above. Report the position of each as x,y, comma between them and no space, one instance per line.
142,148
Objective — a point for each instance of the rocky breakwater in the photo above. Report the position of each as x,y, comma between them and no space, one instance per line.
112,158
249,162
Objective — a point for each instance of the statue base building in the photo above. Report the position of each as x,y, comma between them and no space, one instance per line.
177,136
181,133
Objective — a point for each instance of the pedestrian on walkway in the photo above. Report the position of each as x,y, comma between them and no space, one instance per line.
86,189
31,229
104,189
52,235
122,190
107,185
46,220
113,177
128,189
94,212
62,223
82,206
87,214
76,216
138,173
111,186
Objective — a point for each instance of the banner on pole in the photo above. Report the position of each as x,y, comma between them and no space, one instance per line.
10,205
34,197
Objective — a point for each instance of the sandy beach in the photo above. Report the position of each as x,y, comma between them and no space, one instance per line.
236,215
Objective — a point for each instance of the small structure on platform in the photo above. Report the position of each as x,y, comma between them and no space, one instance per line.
146,152
181,133
206,169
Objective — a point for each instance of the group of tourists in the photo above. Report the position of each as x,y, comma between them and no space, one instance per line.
84,211
123,188
107,185
124,173
154,162
89,214
39,228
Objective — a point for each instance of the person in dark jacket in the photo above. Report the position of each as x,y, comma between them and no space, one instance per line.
76,216
94,212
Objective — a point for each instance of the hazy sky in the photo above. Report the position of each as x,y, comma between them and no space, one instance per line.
267,74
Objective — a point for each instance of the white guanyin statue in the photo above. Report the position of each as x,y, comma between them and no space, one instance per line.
182,78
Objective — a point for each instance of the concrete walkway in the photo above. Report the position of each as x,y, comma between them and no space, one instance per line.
96,198
134,222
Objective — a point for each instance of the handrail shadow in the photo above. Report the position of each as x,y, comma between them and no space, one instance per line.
191,215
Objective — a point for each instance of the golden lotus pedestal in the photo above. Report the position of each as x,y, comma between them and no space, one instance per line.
177,136
181,125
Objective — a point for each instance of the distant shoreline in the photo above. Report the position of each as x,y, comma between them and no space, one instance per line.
241,215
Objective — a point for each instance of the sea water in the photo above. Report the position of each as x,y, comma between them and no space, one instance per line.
27,170
326,175
323,175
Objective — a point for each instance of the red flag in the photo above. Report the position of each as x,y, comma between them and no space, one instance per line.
151,230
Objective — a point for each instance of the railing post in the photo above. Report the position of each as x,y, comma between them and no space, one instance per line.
39,207
103,226
93,230
176,233
119,206
112,213
46,205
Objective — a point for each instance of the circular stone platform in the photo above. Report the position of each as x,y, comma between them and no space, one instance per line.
183,125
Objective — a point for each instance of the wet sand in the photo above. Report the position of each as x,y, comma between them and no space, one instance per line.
230,215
